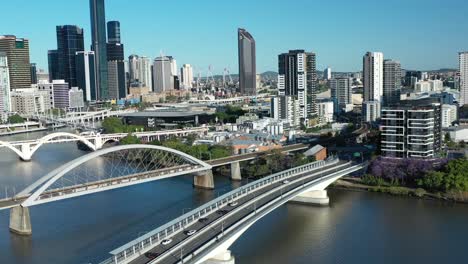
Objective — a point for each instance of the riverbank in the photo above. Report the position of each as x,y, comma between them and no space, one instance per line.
351,183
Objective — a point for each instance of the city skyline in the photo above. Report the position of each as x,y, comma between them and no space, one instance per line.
401,37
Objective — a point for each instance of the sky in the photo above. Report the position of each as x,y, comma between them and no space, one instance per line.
421,34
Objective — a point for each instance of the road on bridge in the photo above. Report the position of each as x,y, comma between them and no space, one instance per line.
231,216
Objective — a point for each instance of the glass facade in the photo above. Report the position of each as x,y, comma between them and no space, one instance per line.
69,41
247,63
52,56
99,46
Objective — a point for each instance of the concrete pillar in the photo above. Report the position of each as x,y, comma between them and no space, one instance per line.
223,258
98,142
26,150
316,197
20,220
236,171
204,180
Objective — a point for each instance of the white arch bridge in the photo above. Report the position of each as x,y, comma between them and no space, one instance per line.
219,223
103,170
25,149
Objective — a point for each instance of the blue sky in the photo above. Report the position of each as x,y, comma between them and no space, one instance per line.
422,34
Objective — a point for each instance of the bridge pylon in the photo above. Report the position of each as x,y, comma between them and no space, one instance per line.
224,258
315,197
204,180
236,171
20,221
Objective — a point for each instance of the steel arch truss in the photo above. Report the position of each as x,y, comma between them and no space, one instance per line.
111,168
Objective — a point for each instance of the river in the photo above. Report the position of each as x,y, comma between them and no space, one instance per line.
357,227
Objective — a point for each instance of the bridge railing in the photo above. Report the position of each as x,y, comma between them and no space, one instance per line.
142,244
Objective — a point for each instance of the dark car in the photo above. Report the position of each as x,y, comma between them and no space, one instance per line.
151,255
222,211
203,220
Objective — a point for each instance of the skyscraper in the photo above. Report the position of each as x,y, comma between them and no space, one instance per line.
86,74
186,72
162,70
52,56
5,99
98,45
33,73
115,62
297,77
463,67
144,68
373,76
247,63
391,82
69,41
17,52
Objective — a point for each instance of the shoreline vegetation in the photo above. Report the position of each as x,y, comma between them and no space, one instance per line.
357,184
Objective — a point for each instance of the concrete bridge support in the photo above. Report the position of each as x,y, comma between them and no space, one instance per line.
26,150
223,258
204,180
236,171
20,221
314,197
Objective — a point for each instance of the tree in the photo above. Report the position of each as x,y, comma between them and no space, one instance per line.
113,125
15,119
218,152
130,139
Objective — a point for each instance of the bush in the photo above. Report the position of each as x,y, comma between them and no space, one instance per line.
373,180
419,192
15,119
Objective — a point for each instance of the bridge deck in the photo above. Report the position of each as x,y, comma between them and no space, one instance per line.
217,222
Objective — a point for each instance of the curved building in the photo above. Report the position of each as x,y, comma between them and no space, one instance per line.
247,64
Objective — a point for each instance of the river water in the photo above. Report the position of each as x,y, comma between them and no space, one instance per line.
357,227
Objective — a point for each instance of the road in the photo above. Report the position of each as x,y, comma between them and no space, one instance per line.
207,231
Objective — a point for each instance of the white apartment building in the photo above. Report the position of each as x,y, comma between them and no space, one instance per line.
370,111
325,111
76,98
5,99
30,101
449,115
463,68
373,76
186,72
287,109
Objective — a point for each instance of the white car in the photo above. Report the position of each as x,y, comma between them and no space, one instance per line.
233,204
166,241
190,232
285,182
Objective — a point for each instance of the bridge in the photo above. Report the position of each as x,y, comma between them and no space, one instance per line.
25,149
111,168
205,234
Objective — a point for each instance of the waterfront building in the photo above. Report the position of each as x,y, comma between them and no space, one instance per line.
247,62
5,99
58,92
30,101
19,67
76,98
411,129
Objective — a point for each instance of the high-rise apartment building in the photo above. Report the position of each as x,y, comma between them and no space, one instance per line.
297,77
98,45
373,76
341,93
70,40
391,82
5,99
411,128
186,72
247,62
86,74
17,52
133,68
163,77
58,93
144,67
463,68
